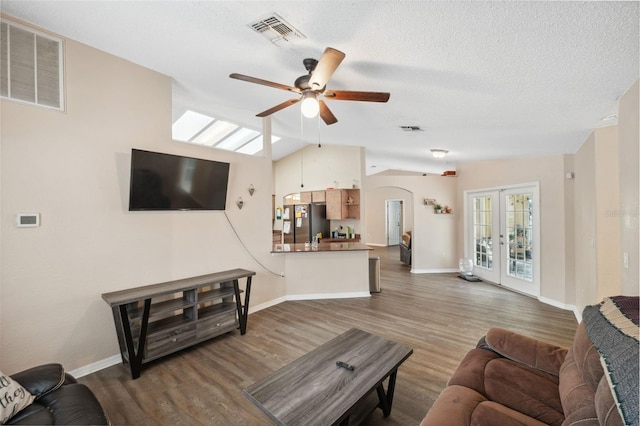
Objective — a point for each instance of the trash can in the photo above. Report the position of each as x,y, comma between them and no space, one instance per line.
374,274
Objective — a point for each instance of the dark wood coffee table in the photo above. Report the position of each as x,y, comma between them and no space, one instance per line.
314,390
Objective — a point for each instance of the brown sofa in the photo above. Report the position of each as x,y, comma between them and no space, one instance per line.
511,379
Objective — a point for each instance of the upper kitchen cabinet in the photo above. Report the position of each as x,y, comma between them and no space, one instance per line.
318,196
312,197
305,198
343,203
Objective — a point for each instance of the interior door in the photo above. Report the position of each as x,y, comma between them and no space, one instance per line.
394,222
502,231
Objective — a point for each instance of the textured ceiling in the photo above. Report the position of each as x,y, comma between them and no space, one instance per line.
483,80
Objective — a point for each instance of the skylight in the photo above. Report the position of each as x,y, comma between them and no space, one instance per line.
237,139
184,127
200,129
214,133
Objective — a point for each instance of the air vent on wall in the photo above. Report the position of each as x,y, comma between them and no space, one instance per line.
276,29
32,66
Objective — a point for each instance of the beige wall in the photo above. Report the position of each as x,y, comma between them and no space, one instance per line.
596,220
629,154
73,168
608,224
549,171
588,222
569,230
584,222
375,211
434,244
600,200
330,166
606,205
326,274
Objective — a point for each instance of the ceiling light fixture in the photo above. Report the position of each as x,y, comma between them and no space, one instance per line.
439,153
309,106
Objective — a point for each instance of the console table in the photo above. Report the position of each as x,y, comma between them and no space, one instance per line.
155,320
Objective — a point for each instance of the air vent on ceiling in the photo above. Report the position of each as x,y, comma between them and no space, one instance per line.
276,29
411,128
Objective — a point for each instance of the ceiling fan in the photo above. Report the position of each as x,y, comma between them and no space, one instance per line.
313,85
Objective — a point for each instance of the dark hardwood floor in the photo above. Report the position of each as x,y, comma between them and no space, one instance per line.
440,316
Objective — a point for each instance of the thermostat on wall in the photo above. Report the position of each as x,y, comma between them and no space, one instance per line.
28,220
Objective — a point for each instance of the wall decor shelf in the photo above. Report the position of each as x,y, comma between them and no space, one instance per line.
159,319
437,207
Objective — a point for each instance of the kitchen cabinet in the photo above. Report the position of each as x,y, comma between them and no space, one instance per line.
318,196
343,204
308,197
305,198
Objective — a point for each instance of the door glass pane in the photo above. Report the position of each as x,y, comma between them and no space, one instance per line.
519,231
482,221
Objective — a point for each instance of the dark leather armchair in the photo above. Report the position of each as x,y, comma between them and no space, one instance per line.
59,399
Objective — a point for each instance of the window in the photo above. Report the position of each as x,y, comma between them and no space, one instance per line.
32,66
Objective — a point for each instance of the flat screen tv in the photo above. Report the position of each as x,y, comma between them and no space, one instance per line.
172,182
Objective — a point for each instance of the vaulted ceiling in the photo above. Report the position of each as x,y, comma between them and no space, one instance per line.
481,79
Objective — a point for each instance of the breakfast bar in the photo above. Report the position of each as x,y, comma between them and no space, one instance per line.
347,245
330,270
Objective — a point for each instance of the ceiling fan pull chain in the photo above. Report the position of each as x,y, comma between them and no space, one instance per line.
301,151
318,120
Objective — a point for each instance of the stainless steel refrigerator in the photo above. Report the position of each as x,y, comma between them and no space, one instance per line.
302,222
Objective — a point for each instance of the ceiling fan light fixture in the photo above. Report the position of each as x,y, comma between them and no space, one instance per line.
309,105
439,153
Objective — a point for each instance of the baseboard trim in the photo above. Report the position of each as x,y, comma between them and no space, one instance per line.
433,271
96,366
318,296
266,305
564,306
577,313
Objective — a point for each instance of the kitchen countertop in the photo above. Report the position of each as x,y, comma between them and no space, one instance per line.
322,247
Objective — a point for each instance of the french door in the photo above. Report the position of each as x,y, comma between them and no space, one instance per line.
502,236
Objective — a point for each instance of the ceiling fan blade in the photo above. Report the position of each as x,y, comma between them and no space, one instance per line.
278,107
348,95
264,82
326,114
325,68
